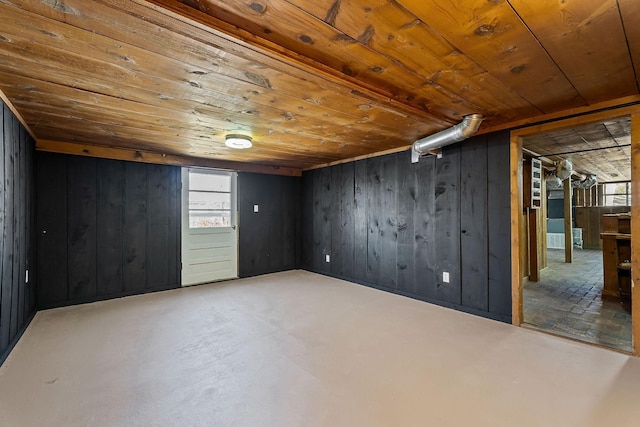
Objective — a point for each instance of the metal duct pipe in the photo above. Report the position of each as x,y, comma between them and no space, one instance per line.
462,130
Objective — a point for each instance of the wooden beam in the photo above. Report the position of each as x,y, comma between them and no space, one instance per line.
568,222
15,111
570,122
635,231
159,158
515,161
363,157
608,108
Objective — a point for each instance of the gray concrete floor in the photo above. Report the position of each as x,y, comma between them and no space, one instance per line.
299,349
567,301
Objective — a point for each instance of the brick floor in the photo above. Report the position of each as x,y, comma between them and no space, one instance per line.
567,301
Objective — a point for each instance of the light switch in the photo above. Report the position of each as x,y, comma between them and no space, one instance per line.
255,208
327,258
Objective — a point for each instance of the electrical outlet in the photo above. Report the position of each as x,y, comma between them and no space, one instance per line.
445,276
255,208
327,258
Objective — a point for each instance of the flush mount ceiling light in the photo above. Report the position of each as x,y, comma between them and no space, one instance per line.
239,142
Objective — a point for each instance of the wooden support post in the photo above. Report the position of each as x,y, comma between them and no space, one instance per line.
542,214
635,232
515,161
568,222
534,233
599,189
588,201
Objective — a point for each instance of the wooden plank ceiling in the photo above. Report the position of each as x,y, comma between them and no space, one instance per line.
312,82
603,148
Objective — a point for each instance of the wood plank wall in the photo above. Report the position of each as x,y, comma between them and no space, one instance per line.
269,240
17,230
590,220
106,228
395,226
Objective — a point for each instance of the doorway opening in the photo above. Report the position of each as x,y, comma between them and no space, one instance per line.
209,226
565,283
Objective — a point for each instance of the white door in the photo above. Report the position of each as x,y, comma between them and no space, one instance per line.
209,226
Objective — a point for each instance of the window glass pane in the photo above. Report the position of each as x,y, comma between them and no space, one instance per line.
209,219
617,194
615,200
617,188
202,201
209,182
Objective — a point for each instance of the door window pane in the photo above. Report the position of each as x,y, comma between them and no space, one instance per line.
209,199
201,200
209,219
209,181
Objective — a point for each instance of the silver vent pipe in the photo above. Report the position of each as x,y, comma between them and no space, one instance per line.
463,130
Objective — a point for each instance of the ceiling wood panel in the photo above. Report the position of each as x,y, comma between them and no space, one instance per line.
631,20
312,82
392,31
576,32
313,38
114,115
493,35
225,75
599,148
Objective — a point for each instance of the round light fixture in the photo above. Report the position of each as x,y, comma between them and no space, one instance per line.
239,142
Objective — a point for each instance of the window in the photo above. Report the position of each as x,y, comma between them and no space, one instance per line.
209,199
617,194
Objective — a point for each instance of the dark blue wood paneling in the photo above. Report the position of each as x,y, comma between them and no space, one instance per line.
51,220
447,225
82,233
118,230
361,222
407,192
347,220
474,246
110,220
16,230
269,239
8,299
413,222
499,220
134,228
424,228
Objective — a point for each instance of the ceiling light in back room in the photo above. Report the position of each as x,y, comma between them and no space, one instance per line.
239,142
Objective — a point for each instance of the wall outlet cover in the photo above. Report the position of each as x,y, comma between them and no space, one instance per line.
255,208
327,258
445,276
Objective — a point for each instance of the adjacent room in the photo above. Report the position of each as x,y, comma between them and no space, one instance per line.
582,290
296,213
